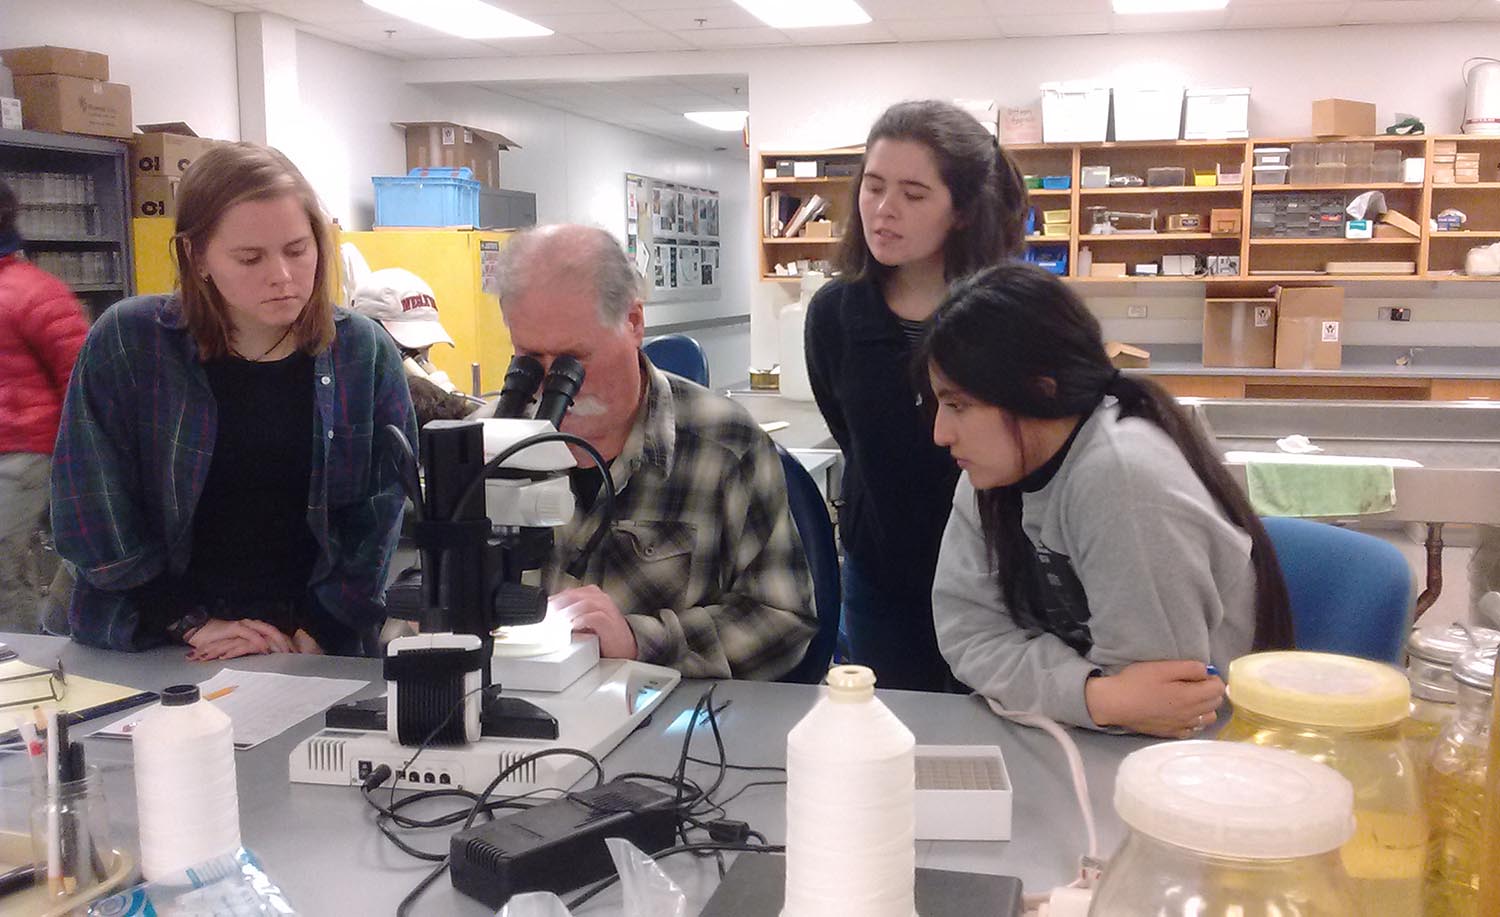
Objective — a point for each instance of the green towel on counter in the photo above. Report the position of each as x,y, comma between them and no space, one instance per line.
1323,489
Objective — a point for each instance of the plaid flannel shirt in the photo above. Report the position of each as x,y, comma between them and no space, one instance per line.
134,449
703,555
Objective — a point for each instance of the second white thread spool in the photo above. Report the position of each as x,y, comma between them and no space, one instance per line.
185,788
850,815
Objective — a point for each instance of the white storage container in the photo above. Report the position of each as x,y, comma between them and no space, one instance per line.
1074,112
1148,112
1216,114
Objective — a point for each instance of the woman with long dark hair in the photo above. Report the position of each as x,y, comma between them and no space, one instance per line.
1099,558
936,199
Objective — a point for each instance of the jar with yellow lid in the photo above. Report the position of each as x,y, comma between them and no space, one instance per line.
1347,713
1455,792
1430,655
1219,829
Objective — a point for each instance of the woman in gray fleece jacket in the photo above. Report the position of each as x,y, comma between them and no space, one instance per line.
1098,560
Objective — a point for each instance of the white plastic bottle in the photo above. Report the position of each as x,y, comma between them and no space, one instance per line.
850,822
186,796
790,327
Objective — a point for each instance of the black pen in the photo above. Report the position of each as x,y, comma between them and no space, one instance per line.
66,826
18,879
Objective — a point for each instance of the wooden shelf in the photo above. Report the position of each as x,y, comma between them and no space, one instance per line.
1467,186
1158,279
1465,234
1169,189
821,180
799,240
1335,241
1048,192
1345,186
1336,278
1040,239
1089,239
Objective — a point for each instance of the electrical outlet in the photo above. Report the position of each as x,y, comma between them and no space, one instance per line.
1138,310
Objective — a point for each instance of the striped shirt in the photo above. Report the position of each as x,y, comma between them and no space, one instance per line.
703,556
133,453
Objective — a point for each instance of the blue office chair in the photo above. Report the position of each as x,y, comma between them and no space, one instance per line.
1351,593
815,528
680,355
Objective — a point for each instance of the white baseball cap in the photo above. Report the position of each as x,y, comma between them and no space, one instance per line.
403,303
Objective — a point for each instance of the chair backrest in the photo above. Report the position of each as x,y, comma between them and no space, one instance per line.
815,528
1351,593
680,355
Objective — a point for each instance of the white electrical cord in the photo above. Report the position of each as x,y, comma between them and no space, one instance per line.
1072,898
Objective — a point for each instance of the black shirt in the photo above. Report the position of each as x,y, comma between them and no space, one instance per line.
251,540
898,485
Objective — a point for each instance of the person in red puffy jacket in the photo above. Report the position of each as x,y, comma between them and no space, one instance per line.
41,329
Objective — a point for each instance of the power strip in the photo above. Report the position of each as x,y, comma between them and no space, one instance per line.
559,845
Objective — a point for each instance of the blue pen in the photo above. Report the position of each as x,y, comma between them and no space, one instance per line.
1212,670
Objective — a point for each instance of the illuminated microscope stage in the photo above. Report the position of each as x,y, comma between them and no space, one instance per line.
594,713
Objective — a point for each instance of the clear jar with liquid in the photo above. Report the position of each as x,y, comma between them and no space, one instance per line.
1431,653
1227,830
1347,713
1456,792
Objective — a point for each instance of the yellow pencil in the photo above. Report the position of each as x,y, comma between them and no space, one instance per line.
215,695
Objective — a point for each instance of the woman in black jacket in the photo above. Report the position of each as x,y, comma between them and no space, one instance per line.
936,199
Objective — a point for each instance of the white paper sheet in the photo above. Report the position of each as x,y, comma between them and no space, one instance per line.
261,704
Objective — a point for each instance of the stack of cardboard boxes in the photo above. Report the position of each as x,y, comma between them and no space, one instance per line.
159,157
67,91
1298,328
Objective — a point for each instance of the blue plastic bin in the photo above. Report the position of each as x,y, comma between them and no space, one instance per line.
427,197
1051,258
1057,182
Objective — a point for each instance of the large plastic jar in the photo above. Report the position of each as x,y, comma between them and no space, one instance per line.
1455,792
1227,830
1347,713
1430,655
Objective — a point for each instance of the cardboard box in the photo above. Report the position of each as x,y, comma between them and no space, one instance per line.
166,149
1021,125
818,229
89,65
444,144
153,196
1309,322
10,114
1402,222
1343,118
73,105
1225,221
1126,356
1240,333
1108,269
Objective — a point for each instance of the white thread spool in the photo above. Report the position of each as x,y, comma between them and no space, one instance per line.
186,797
850,817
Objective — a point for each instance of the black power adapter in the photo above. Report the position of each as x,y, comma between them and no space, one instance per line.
559,845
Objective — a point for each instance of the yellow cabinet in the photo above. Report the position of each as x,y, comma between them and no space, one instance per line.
151,240
460,267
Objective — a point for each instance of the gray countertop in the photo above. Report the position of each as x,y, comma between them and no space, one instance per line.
319,844
1376,362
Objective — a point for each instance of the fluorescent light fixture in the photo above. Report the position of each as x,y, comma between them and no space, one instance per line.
804,14
465,18
719,120
1128,7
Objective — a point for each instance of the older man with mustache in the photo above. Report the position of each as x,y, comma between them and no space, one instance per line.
702,569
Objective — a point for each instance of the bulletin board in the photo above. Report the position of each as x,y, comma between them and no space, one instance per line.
672,235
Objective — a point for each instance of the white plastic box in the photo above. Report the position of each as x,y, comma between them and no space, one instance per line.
1148,112
963,793
1075,112
1216,114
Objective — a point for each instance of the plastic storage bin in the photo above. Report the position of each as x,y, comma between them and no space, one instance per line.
1093,177
1386,166
1223,830
1148,112
1347,713
1074,112
1271,175
1051,258
1273,155
1216,114
428,197
1057,182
